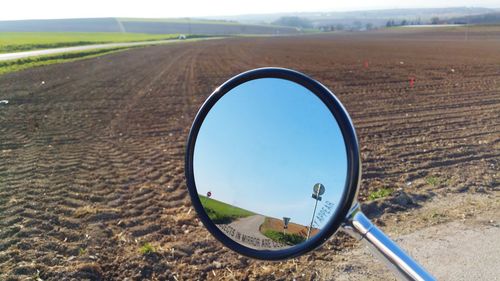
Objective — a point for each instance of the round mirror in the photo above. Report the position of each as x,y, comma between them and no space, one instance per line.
272,164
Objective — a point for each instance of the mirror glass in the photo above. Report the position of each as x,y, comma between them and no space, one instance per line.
270,164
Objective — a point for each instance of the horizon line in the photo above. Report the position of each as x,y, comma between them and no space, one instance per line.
214,18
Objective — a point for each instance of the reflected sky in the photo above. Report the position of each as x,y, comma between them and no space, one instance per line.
264,145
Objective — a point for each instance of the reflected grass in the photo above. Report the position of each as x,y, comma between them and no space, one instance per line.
285,238
222,213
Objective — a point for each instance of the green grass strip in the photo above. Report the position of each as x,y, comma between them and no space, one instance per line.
285,238
222,213
11,42
24,63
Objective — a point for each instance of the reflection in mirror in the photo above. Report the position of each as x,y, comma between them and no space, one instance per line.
270,164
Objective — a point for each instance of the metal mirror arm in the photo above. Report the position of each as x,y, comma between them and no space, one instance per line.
361,228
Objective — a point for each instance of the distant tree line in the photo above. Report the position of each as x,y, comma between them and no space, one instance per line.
332,27
293,21
355,26
403,22
361,25
490,18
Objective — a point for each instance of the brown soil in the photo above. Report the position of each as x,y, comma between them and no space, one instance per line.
91,152
293,228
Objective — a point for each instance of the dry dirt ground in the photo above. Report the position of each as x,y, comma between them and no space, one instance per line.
91,152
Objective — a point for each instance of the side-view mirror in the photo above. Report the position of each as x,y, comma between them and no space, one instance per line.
273,170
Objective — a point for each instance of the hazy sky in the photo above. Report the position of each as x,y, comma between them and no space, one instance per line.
37,9
265,144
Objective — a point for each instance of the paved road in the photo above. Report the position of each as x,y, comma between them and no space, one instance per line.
455,251
451,251
246,231
20,55
250,226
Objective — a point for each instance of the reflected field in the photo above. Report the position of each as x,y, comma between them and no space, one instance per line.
254,230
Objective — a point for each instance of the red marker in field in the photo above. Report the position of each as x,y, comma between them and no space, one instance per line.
412,82
365,64
209,194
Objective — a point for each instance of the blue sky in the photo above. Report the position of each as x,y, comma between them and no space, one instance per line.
265,144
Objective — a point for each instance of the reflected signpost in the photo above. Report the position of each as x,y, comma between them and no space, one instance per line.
285,224
318,190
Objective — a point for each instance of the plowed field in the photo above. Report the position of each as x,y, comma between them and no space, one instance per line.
91,152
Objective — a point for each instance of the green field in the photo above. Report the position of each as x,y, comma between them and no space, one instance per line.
23,41
220,212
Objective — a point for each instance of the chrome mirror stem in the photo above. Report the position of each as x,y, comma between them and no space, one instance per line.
361,228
